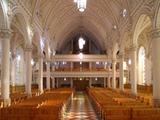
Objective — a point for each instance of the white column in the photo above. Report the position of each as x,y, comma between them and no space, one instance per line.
114,74
28,58
57,83
13,70
71,66
53,82
71,83
105,65
134,70
109,82
104,82
40,75
90,66
121,72
48,76
90,82
5,84
156,66
53,78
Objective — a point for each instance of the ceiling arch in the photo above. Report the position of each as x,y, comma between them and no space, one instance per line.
75,28
143,22
60,17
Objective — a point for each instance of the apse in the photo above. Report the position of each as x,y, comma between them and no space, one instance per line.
71,45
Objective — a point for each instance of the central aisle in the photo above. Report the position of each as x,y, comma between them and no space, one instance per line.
80,108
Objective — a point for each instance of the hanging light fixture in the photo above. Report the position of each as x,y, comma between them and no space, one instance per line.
81,5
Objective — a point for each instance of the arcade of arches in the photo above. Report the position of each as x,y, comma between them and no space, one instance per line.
41,57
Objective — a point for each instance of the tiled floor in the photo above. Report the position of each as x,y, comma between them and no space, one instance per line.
80,108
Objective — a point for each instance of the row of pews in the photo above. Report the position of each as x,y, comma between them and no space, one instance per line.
145,93
47,106
113,105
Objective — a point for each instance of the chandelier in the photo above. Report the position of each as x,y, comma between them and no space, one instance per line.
81,5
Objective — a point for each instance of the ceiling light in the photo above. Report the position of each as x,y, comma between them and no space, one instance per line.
81,56
81,5
115,27
97,63
124,12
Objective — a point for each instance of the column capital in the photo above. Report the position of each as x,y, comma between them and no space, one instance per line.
13,54
121,54
133,48
155,33
114,59
5,33
41,56
28,48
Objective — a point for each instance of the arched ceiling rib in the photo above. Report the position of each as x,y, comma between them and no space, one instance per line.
61,16
89,25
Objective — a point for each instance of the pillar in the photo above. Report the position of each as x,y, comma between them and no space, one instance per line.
90,82
71,66
28,69
156,66
48,76
134,70
121,72
90,66
53,78
57,83
114,74
71,82
105,66
53,82
5,80
104,82
40,75
109,82
13,70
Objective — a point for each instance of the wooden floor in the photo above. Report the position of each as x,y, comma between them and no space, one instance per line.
80,108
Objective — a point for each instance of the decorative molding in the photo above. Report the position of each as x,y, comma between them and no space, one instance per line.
133,48
155,33
121,55
28,48
21,3
41,56
5,33
75,58
61,74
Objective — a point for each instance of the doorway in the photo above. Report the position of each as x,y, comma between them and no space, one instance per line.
80,84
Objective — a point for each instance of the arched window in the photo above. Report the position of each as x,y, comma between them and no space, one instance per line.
19,66
141,66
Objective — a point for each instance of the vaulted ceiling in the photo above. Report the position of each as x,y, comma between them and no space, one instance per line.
61,19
